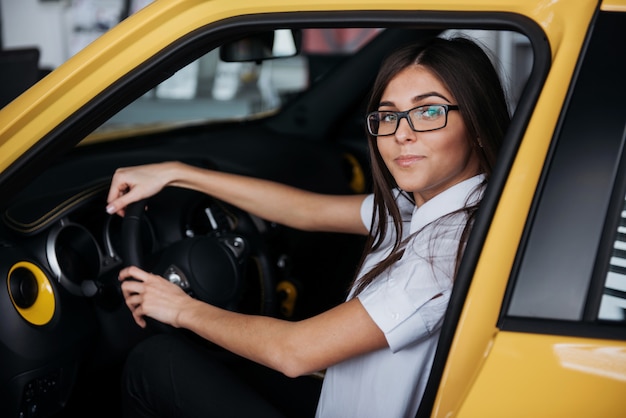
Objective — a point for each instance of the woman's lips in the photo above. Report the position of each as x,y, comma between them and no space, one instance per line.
408,160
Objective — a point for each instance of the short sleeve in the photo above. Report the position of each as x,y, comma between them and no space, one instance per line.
409,301
367,211
405,316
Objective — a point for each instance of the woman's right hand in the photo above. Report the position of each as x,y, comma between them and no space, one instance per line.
131,184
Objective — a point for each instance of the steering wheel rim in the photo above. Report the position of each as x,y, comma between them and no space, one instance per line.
133,254
131,226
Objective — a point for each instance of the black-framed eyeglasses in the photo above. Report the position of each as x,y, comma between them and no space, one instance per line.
421,119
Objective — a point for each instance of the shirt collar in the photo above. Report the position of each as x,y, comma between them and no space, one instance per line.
446,202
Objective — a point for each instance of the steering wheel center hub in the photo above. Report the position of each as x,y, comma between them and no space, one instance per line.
207,267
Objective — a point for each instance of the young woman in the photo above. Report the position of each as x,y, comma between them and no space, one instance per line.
436,119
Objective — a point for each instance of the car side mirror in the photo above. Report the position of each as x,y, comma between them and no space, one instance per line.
281,43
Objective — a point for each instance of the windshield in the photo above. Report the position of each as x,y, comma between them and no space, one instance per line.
210,90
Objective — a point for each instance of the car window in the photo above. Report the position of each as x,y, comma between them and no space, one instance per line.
212,90
571,267
613,303
209,90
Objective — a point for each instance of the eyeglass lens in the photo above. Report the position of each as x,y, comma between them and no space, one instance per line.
422,118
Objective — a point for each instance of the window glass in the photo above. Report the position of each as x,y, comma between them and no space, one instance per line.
210,90
613,303
566,243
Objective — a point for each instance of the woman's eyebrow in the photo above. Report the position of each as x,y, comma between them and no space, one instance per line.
430,94
417,99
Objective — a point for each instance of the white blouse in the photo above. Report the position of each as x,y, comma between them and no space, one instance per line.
407,302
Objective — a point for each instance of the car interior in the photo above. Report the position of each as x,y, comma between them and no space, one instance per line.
296,120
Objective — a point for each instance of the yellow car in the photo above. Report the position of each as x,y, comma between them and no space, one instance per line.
536,326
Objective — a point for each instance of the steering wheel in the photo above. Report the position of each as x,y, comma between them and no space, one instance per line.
209,267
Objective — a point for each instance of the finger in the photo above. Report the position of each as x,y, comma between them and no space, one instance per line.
133,272
117,188
132,301
118,185
131,288
118,204
139,319
134,304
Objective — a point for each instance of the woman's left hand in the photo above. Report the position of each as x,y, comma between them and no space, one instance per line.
150,295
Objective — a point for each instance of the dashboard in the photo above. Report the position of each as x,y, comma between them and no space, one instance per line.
60,254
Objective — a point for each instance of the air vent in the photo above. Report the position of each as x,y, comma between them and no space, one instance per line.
31,293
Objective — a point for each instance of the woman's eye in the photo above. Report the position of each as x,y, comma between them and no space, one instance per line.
430,112
388,118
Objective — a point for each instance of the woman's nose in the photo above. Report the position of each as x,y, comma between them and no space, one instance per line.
405,132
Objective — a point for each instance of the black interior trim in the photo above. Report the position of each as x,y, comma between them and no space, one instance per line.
29,217
596,329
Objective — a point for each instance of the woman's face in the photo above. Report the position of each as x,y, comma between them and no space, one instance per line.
425,163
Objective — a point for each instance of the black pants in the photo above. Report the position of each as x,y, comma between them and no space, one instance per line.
172,376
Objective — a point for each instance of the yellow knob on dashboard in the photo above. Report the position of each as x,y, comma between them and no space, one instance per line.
288,295
31,293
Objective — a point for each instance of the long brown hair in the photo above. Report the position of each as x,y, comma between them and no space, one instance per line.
467,72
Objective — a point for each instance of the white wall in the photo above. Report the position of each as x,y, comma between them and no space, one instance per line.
60,28
28,23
